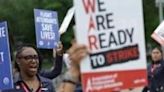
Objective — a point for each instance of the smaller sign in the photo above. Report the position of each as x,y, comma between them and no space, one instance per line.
158,34
67,20
6,81
46,26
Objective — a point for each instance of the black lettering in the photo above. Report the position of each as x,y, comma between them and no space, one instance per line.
100,3
130,34
101,40
122,37
112,39
100,22
109,20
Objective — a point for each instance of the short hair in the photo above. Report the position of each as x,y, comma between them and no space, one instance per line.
159,48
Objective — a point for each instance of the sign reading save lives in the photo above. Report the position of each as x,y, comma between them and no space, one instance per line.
113,31
46,25
6,81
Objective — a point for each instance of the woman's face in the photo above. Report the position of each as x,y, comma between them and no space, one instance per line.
156,55
28,61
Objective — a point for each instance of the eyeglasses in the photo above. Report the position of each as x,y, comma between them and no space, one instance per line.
29,57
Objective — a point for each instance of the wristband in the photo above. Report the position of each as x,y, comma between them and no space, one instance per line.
69,81
69,78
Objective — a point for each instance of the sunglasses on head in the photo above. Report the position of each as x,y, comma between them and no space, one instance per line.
29,57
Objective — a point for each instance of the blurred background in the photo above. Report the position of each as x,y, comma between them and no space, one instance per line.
20,17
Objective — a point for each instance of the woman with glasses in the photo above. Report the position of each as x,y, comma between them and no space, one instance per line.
57,58
29,78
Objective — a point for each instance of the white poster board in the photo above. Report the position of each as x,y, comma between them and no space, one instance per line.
114,32
67,20
158,34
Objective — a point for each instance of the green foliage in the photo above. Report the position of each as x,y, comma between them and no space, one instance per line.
151,21
20,18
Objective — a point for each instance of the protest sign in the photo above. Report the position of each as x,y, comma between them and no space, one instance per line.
67,20
158,34
46,27
114,32
6,81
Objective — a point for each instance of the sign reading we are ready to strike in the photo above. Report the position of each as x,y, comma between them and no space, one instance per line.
6,79
114,32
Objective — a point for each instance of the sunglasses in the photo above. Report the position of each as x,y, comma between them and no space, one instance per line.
29,57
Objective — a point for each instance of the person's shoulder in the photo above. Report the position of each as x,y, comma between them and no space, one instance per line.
162,61
44,79
46,84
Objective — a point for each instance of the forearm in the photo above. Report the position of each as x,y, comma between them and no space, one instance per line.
67,87
57,69
71,79
58,65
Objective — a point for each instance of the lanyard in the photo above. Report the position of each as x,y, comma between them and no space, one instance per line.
25,88
154,67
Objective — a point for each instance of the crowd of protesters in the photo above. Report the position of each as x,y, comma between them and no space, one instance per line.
29,77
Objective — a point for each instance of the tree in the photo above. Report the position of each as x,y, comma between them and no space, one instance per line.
20,18
151,21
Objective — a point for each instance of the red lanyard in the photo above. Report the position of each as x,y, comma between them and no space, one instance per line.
26,89
154,67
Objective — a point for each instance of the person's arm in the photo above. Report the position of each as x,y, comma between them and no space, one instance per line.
57,67
70,81
76,54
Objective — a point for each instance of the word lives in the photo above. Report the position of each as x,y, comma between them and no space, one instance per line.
47,32
47,21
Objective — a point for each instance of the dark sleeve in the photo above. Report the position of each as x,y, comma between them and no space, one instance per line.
162,66
57,69
149,72
51,89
